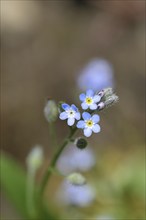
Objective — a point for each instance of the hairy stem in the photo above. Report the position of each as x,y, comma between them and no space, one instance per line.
54,160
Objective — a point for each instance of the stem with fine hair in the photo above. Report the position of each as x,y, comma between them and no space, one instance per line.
54,160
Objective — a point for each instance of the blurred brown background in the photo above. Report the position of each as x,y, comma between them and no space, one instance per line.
44,44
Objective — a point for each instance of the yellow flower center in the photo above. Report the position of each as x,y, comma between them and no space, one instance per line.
89,100
89,123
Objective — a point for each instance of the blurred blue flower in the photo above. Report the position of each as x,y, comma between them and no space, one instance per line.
71,113
89,124
97,75
89,100
73,159
69,194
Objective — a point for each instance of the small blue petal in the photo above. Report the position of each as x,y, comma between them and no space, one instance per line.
70,121
95,118
97,98
63,116
86,116
93,106
82,97
65,106
96,128
74,107
87,132
77,116
81,124
90,92
84,106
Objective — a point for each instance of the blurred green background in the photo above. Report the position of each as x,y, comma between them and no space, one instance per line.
44,45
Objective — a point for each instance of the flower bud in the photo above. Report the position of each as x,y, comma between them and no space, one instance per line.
35,158
100,106
108,91
105,92
108,98
51,111
111,100
101,93
76,179
81,143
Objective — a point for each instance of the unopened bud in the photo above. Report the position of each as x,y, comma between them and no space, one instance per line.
111,100
100,106
108,91
51,111
35,158
105,92
101,93
76,179
108,98
81,143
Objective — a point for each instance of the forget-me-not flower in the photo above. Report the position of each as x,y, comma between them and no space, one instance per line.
97,75
81,196
71,113
89,100
73,159
89,124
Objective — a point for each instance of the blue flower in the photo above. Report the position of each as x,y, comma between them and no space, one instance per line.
89,124
72,159
71,113
89,100
81,196
97,75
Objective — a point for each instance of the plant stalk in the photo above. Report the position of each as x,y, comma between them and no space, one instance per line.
54,160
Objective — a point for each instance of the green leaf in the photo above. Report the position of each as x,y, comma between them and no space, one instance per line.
13,181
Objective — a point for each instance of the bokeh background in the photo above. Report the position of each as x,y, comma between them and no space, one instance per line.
44,46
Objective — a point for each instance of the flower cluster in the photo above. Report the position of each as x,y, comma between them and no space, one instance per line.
91,102
88,122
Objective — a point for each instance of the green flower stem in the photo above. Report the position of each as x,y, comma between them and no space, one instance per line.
54,160
30,191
